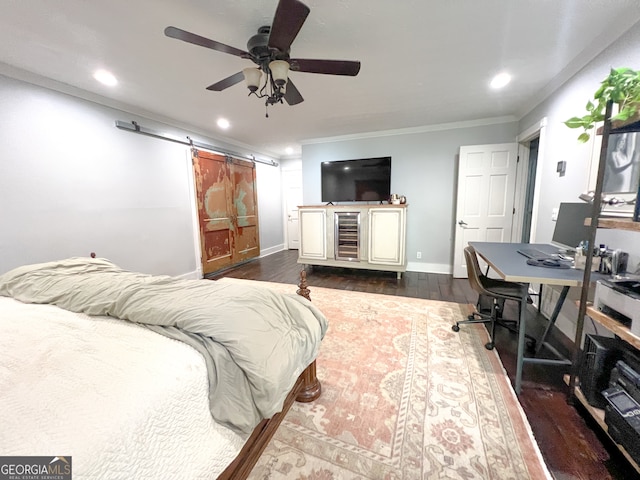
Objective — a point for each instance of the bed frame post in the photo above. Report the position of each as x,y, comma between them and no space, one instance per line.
311,387
303,291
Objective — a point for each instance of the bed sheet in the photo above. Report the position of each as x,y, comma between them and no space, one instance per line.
122,401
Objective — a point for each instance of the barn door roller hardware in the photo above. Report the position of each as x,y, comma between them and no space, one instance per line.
135,127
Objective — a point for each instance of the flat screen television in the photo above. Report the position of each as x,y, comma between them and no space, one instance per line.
360,180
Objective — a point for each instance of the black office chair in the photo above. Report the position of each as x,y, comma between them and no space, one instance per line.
492,293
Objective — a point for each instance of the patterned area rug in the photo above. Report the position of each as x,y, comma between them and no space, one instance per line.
403,397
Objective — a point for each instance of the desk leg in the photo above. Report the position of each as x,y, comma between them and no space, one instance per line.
522,327
552,320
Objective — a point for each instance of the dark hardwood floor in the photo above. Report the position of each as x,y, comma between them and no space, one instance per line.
571,443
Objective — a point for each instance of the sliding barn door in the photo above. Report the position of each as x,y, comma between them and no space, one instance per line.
245,210
227,210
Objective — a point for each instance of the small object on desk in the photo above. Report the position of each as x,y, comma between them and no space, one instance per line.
548,262
580,262
533,253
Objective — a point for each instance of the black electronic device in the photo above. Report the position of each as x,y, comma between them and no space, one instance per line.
629,373
548,262
620,380
359,180
570,227
622,416
600,355
533,253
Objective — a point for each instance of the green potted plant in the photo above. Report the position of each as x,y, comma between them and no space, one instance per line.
622,87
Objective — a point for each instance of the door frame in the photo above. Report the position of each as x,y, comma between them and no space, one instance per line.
296,167
523,139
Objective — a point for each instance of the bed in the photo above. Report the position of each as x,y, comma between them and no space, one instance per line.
146,377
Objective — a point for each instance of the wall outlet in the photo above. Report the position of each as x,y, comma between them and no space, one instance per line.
419,255
554,215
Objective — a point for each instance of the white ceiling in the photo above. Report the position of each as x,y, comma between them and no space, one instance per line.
424,62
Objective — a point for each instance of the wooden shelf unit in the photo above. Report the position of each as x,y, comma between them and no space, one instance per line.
616,223
585,308
614,326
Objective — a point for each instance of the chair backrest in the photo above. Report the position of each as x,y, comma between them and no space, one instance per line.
473,271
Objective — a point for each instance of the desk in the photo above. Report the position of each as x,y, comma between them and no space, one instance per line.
505,260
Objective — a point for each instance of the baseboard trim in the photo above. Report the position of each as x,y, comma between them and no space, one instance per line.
271,250
195,275
420,267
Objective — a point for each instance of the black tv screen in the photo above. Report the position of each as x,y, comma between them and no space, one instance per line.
364,179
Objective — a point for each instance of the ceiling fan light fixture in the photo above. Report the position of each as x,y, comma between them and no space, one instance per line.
252,77
279,71
269,50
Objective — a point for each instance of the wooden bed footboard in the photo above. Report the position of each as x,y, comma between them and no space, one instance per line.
306,389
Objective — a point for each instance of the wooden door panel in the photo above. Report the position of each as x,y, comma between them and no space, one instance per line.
245,205
215,211
247,243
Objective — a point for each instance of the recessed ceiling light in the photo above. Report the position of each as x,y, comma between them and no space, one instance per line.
106,78
288,150
223,123
500,80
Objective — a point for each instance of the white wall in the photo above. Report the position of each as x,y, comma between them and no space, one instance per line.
424,169
71,183
561,144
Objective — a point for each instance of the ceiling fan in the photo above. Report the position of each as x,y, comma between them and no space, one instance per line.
269,50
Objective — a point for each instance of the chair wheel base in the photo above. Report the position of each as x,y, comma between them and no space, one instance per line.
455,328
489,346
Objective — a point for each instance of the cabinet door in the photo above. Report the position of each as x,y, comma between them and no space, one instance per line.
387,236
313,234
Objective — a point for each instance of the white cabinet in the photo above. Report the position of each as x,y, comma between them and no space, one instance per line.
380,236
387,236
313,233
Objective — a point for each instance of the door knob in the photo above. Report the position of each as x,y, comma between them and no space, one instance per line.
462,223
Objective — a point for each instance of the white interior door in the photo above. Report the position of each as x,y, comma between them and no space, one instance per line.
485,200
292,185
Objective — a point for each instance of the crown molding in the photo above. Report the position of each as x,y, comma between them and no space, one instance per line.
412,130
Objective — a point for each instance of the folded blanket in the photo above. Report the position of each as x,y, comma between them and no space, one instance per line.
255,341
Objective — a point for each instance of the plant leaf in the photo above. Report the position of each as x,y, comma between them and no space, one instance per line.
584,137
575,122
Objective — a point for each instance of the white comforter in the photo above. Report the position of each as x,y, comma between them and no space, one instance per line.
255,341
143,414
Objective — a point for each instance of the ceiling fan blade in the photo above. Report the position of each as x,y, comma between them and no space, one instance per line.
227,82
292,95
329,67
189,37
287,22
